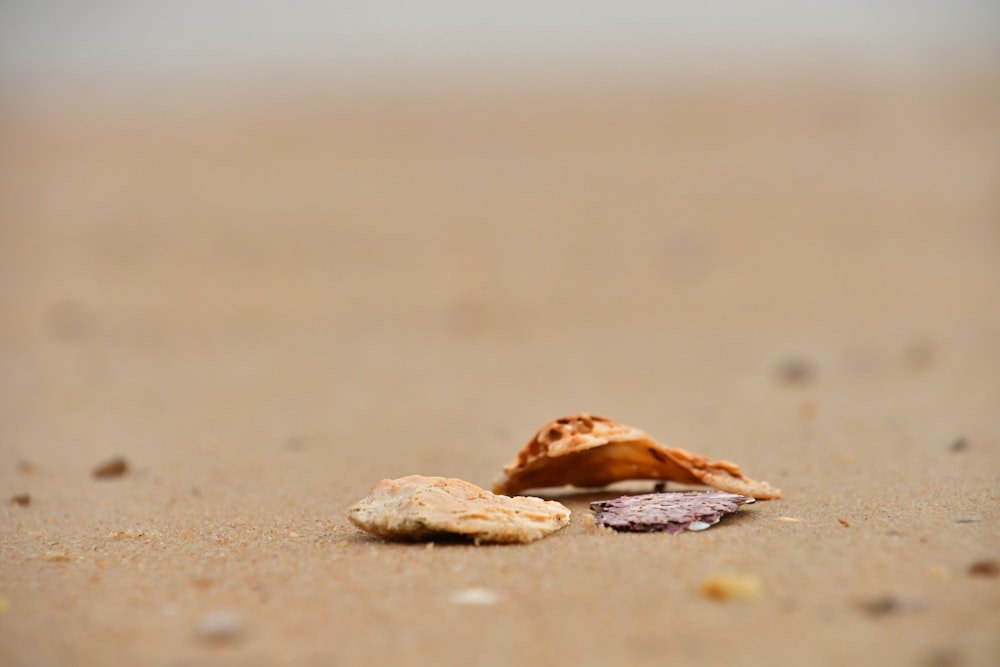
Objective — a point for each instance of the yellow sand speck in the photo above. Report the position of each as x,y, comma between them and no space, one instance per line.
729,587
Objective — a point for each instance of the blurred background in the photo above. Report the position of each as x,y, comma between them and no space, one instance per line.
112,45
261,219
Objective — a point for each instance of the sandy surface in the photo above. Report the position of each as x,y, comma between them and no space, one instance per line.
266,308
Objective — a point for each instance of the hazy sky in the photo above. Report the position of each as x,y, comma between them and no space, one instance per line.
125,42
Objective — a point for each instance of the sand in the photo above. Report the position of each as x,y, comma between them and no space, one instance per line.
267,306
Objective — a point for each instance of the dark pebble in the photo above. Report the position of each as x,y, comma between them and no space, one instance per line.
960,445
880,606
795,372
115,467
984,568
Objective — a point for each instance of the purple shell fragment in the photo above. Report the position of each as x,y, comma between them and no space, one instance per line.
670,512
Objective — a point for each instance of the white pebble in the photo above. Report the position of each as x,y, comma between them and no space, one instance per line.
480,597
221,626
700,525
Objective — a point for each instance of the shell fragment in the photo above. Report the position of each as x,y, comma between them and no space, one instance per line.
667,512
418,508
588,451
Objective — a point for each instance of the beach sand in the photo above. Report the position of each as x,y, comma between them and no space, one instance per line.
266,306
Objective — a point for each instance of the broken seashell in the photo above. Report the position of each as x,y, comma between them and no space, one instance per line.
424,508
667,512
589,451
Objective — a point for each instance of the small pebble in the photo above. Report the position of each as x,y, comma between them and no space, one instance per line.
222,626
21,500
880,606
920,354
115,467
795,372
729,587
984,568
57,556
938,571
943,657
474,597
295,443
960,444
844,523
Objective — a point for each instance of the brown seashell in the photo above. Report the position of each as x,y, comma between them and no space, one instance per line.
428,508
589,451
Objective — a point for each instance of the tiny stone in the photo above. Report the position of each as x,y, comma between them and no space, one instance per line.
478,597
960,444
938,571
880,606
57,556
295,443
945,657
728,587
919,355
202,583
221,627
115,467
795,371
21,500
984,568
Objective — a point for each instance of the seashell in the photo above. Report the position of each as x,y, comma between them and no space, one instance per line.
589,451
425,508
669,512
